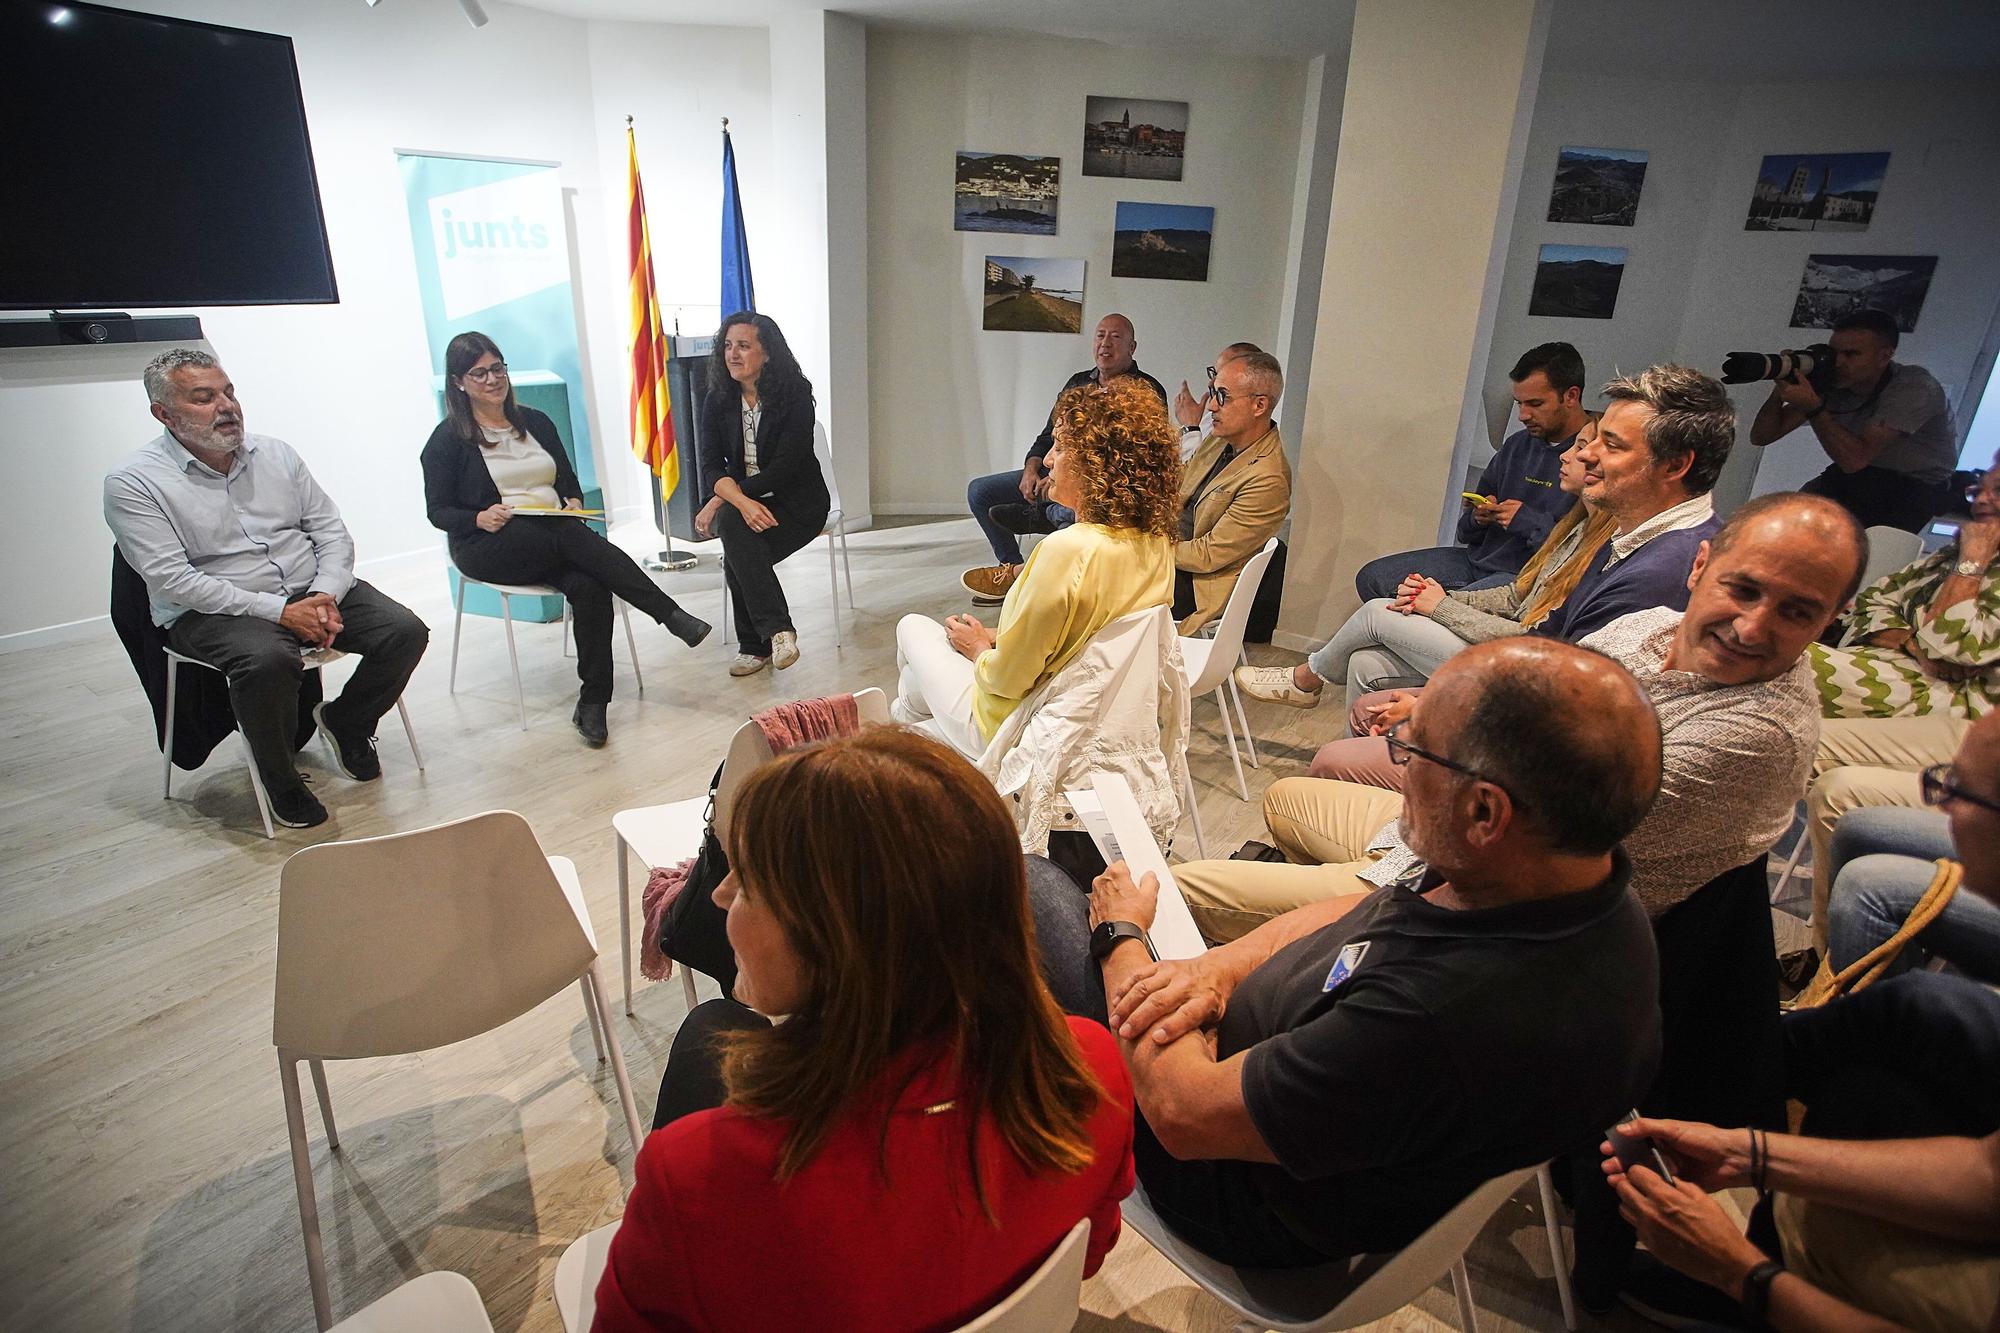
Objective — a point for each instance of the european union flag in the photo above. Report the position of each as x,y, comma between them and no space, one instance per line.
738,291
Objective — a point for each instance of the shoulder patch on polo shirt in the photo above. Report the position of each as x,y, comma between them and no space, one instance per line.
1343,966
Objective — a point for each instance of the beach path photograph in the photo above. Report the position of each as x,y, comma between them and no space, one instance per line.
1006,192
1027,294
1162,241
1579,281
1598,186
1134,137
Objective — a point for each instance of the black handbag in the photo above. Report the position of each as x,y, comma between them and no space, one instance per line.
694,930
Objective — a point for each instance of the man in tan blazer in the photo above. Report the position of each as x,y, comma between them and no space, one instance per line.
1235,490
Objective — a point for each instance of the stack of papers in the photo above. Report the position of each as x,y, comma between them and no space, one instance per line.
1111,816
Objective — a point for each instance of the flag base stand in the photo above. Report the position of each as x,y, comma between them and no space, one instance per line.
671,561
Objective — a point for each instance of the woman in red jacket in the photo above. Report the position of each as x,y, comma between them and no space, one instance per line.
923,1126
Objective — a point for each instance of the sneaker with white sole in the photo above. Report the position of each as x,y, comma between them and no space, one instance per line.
989,583
784,649
1273,685
748,664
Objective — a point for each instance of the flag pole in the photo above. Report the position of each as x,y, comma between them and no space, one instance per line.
667,560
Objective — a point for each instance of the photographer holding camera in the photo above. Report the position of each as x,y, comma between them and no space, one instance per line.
1887,427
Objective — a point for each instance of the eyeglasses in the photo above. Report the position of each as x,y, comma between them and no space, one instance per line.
1222,395
487,374
1940,784
1401,751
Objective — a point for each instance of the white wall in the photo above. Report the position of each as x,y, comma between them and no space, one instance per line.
347,384
950,401
1697,285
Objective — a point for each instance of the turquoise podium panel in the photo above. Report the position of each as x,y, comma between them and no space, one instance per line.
546,393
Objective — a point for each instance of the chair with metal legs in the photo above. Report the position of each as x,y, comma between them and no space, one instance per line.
313,660
507,592
835,533
386,947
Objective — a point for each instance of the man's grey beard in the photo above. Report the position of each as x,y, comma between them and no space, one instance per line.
209,438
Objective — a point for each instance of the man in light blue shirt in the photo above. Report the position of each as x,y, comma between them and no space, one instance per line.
247,566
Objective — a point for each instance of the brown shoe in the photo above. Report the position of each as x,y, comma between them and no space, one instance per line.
989,583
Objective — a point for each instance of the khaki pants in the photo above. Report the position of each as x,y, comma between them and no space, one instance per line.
1904,1276
1865,762
1323,827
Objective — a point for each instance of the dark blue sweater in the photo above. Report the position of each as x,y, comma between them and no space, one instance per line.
1525,469
1654,575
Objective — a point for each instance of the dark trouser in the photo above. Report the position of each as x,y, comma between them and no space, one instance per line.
1216,1205
981,494
692,1080
261,660
750,567
576,560
1881,498
1449,565
1911,1057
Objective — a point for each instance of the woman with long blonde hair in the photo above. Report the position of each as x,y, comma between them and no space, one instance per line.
891,1123
1402,640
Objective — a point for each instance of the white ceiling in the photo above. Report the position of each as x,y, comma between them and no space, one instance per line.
1769,40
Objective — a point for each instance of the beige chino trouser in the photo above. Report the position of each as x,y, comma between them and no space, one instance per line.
1323,827
1868,762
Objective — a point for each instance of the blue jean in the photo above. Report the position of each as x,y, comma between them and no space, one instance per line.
1880,864
1449,565
1004,488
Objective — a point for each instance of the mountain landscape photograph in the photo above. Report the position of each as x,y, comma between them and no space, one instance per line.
1837,285
1599,186
1162,241
1578,281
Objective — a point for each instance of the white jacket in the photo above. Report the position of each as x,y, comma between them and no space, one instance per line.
1120,707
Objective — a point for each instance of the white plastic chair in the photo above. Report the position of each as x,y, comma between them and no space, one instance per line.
404,943
835,532
1211,663
313,661
507,592
1889,549
1046,1299
1334,1296
433,1302
665,835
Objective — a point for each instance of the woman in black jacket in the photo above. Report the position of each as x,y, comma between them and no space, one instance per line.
766,497
489,458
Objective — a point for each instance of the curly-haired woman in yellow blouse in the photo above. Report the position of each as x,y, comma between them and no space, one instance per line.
1116,462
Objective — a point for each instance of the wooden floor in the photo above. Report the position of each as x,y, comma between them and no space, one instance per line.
142,1134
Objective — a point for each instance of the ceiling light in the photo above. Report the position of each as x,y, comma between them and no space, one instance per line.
473,13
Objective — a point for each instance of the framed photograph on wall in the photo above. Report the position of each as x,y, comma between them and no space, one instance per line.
1134,138
1162,241
1031,294
1006,192
1599,186
1837,285
1816,192
1578,281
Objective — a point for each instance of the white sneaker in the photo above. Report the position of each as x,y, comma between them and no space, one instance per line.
784,649
747,664
1273,685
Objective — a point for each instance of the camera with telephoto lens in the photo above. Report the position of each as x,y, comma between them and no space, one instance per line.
1814,364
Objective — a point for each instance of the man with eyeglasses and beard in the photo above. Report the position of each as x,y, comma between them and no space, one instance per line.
1335,1081
248,566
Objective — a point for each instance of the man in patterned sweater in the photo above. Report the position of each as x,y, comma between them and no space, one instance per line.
1738,715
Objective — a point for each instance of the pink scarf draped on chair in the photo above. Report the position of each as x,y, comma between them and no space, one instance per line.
785,726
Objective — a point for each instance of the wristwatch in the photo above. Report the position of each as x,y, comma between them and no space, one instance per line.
1108,936
1191,430
1757,1292
1971,569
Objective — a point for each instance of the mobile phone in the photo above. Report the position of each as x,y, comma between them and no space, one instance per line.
1472,497
1637,1150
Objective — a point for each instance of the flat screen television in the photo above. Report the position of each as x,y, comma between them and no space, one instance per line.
153,162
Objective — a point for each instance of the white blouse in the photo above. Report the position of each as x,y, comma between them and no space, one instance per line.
521,468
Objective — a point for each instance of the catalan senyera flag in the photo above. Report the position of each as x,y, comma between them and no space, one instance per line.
652,409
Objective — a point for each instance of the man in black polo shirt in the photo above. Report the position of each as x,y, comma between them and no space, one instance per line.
1336,1080
1111,356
